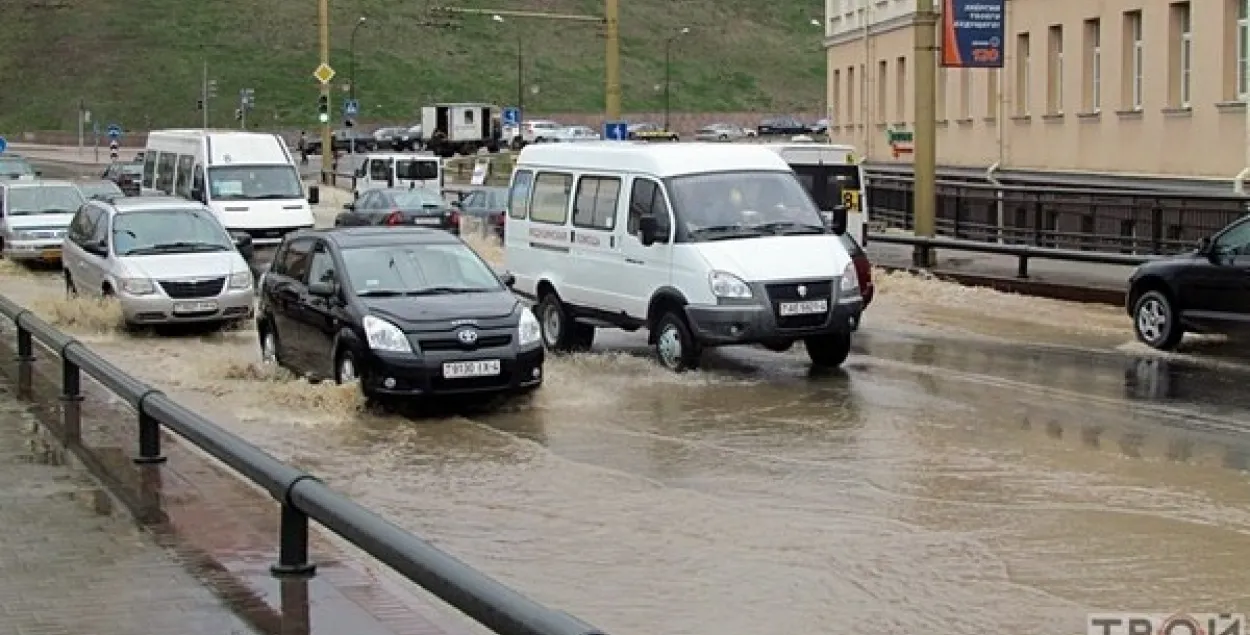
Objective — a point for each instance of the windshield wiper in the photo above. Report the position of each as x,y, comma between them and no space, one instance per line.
447,290
178,247
726,232
380,293
271,197
791,227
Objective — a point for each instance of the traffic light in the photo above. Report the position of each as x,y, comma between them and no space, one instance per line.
323,109
348,123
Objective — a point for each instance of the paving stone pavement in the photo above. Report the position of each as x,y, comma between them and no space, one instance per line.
70,565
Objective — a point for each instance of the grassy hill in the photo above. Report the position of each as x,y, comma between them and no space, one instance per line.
139,61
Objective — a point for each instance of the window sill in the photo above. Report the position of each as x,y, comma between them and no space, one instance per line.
1231,106
1181,111
1022,118
990,120
1054,117
964,121
942,123
881,125
1128,114
1093,115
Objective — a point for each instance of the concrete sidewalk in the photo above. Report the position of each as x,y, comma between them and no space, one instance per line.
73,566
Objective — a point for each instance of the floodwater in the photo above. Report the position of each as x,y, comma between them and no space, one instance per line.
985,463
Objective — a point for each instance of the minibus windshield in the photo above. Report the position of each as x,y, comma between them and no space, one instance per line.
723,205
254,183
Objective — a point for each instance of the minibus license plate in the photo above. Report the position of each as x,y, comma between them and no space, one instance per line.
804,308
181,308
461,370
426,220
51,254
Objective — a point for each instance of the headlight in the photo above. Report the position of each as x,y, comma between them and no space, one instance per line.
528,330
850,280
241,280
384,336
138,286
727,285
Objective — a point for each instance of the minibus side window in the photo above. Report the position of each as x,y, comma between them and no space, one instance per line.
551,198
595,206
519,196
149,168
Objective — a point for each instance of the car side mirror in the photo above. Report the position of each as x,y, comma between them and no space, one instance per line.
838,220
351,207
322,289
243,242
648,230
98,248
508,279
314,194
1204,245
38,172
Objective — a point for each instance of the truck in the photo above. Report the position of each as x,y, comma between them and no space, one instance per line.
452,129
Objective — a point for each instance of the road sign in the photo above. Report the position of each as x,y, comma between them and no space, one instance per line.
115,131
351,107
324,73
511,116
4,145
616,130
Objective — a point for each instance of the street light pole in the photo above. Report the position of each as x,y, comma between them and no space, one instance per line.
924,203
351,53
520,74
668,71
327,139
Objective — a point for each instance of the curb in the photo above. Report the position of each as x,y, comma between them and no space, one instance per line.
1023,286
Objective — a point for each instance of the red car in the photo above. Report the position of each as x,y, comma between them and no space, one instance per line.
863,268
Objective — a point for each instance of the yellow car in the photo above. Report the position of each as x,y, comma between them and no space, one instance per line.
651,132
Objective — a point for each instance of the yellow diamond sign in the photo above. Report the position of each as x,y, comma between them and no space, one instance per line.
324,73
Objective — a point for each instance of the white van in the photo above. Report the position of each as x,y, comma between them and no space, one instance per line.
702,244
833,176
248,179
399,169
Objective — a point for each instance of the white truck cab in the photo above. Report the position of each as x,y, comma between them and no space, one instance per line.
702,244
833,176
399,169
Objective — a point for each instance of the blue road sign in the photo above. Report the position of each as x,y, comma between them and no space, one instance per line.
351,107
115,131
4,145
511,116
616,130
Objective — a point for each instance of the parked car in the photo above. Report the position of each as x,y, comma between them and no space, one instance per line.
1204,291
782,126
398,206
99,189
387,137
820,127
719,132
540,130
489,205
407,313
577,133
166,260
127,175
647,131
863,266
345,140
34,216
16,168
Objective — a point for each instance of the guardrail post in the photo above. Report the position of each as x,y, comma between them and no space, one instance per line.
293,540
1022,266
149,433
25,362
71,401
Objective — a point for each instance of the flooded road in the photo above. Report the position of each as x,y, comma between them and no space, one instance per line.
985,463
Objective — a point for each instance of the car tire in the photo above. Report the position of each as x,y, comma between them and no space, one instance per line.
269,345
560,332
723,137
828,351
1155,321
675,346
70,290
346,368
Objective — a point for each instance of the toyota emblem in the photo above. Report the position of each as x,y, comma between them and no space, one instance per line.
468,337
802,290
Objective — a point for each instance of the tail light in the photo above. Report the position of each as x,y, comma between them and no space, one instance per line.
394,218
453,218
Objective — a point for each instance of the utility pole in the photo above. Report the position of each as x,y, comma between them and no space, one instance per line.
668,72
924,201
204,95
327,139
82,122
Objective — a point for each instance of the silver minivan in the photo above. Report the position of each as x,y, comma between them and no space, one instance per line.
166,260
34,216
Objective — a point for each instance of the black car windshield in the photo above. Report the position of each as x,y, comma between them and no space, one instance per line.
13,166
254,183
44,199
737,204
416,169
176,231
417,199
417,269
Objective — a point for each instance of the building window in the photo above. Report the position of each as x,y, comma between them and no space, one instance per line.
1133,60
835,98
1023,75
900,89
1054,68
850,94
864,115
940,111
965,94
1092,98
1180,54
1243,50
883,69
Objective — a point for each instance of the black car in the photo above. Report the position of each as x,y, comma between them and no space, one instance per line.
489,205
127,176
782,126
400,206
1204,291
407,313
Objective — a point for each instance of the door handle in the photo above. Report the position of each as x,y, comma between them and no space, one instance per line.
634,261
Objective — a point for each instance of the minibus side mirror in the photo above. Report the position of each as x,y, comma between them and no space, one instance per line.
314,194
838,220
648,230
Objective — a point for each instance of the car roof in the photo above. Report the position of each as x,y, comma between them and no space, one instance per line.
150,203
400,189
662,160
39,183
351,237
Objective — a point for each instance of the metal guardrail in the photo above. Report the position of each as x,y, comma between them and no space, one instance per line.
1077,219
1021,252
301,496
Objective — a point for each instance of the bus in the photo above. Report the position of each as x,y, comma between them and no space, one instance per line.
833,177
